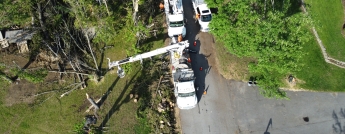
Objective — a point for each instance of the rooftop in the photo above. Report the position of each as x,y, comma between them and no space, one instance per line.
18,36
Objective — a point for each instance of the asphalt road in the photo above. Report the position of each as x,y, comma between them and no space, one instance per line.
232,107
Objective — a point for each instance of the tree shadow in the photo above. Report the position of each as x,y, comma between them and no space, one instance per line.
337,126
23,68
160,36
149,9
110,89
269,124
295,7
117,103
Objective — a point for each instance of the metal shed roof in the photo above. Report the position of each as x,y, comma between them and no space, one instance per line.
18,36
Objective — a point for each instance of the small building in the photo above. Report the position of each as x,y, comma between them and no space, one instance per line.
20,38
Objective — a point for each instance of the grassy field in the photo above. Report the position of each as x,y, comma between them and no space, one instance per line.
317,74
328,19
52,115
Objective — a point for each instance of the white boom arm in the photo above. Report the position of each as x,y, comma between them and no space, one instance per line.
177,47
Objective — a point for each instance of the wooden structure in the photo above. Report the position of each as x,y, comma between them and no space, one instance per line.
18,37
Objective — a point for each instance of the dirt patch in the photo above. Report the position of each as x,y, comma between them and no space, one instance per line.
228,65
293,85
208,49
178,120
84,106
20,93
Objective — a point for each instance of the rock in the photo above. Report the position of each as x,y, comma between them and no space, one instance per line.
131,96
160,105
161,122
171,104
160,109
162,126
164,100
135,100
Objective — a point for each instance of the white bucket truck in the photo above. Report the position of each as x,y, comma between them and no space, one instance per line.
175,19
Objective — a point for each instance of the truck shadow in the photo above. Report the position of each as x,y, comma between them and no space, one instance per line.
199,61
200,67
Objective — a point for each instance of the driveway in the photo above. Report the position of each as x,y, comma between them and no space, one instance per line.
232,107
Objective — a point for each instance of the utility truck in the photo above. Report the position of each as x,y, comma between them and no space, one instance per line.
202,14
182,74
174,19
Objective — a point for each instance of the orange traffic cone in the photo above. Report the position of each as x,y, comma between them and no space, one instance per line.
194,43
205,92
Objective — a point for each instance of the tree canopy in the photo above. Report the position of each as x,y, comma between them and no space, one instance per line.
15,12
271,31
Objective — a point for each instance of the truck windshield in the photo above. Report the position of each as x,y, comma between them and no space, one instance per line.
176,23
206,18
186,94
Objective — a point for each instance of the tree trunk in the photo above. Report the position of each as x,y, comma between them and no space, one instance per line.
135,7
92,101
93,56
105,2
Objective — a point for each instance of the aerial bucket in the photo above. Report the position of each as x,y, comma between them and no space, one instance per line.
120,72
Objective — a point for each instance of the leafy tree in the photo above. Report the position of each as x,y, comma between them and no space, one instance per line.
15,12
273,32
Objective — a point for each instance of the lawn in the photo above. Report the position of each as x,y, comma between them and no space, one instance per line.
328,17
317,74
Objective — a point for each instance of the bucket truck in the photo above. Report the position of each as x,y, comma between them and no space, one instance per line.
182,74
202,14
174,19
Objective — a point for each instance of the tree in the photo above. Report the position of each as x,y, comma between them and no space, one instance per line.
273,32
15,12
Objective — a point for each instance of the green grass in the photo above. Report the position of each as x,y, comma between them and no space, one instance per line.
329,19
317,74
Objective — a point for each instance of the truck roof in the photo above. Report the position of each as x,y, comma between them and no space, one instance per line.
176,17
177,6
185,87
183,75
199,2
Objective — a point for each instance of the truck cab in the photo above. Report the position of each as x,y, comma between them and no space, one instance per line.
176,25
175,19
184,91
185,95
